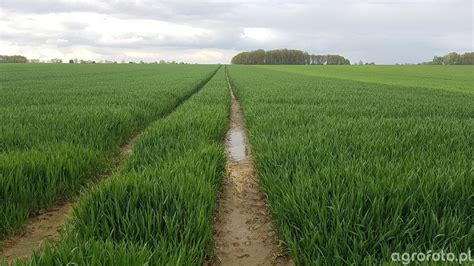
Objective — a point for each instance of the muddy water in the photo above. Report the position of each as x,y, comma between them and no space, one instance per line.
236,144
243,233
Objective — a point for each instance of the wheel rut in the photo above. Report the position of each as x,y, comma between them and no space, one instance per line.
243,233
47,224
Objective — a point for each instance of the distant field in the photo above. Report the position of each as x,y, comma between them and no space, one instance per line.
459,78
357,170
61,124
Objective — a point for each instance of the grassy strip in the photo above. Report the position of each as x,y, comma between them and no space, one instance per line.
60,125
355,171
158,209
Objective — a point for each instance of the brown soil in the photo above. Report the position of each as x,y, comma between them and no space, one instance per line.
43,227
243,234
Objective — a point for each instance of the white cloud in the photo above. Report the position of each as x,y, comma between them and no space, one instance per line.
9,48
115,30
209,56
258,34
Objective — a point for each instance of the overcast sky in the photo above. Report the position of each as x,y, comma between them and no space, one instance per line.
383,31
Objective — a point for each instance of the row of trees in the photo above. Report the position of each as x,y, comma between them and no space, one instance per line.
13,59
81,61
454,59
22,59
287,57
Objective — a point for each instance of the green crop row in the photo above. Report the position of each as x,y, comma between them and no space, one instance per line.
61,124
158,208
355,171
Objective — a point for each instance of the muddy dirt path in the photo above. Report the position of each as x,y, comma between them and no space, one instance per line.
43,227
47,225
242,228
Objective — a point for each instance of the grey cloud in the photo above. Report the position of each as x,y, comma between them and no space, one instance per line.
382,31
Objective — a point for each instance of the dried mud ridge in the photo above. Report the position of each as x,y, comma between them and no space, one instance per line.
47,225
242,229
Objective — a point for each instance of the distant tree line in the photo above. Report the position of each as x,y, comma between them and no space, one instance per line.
13,59
81,61
22,59
362,63
287,57
453,59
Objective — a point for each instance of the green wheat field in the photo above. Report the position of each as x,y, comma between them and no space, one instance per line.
357,162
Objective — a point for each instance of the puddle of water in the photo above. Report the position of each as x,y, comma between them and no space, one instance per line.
237,144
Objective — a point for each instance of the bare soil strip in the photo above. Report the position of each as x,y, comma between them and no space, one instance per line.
48,223
39,229
242,229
